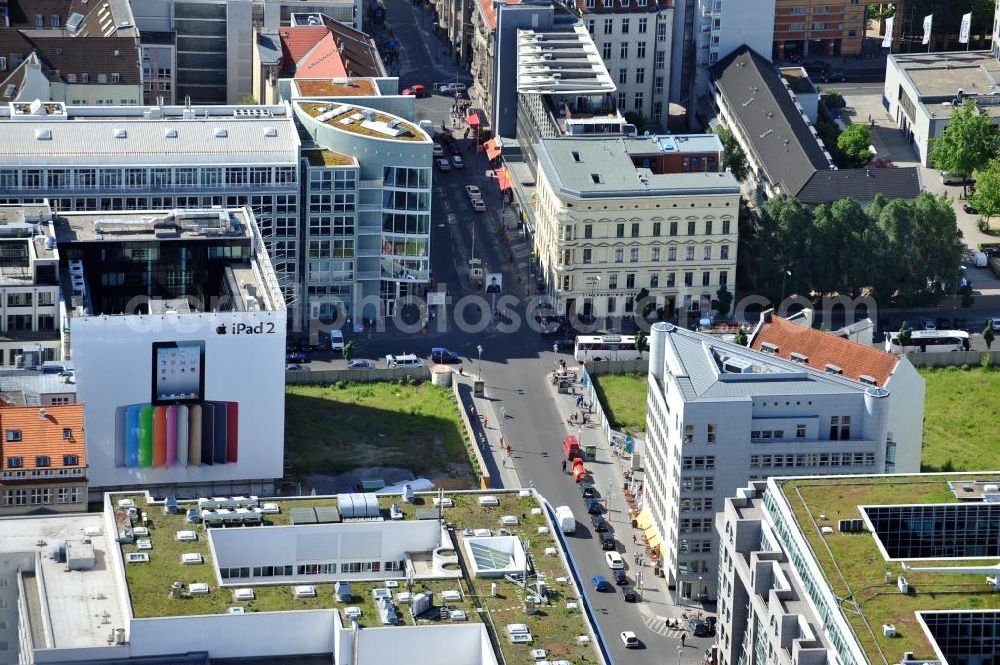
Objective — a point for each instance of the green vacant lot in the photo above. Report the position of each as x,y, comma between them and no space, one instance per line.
331,429
960,419
624,399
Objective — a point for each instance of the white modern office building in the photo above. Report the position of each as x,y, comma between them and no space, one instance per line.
160,158
367,205
818,570
720,415
624,215
203,49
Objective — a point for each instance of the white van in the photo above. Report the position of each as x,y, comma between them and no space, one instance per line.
405,360
336,340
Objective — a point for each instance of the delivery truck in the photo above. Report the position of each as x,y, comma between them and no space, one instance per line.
564,516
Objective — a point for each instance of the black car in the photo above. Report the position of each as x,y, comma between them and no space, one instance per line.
600,524
607,541
699,628
629,594
816,68
588,490
835,76
970,210
594,507
620,577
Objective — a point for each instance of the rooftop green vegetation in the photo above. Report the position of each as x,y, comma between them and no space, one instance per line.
327,158
623,397
855,569
410,131
798,84
332,429
554,628
334,88
960,430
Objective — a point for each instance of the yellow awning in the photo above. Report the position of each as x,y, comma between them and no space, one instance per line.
644,519
652,538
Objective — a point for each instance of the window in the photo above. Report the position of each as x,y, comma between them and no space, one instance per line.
724,252
116,77
671,254
15,497
661,32
689,279
623,51
692,228
673,228
609,26
13,435
654,280
39,21
15,462
55,20
620,231
642,25
612,304
41,495
711,433
708,253
623,75
591,23
85,78
42,460
661,59
613,280
640,75
638,101
635,229
567,257
621,99
658,85
633,255
671,280
103,78
725,226
619,254
689,434
71,460
654,254
625,26
640,50
587,255
3,63
689,253
706,278
630,280
657,228
723,278
800,431
606,50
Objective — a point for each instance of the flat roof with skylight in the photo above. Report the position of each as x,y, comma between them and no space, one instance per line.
912,561
363,121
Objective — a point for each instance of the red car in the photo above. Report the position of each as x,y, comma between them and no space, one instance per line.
417,91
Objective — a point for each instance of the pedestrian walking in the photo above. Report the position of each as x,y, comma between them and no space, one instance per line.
564,466
486,421
510,451
472,411
634,539
683,638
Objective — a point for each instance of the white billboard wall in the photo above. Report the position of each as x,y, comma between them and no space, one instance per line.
181,399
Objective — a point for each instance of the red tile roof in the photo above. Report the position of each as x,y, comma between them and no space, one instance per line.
822,349
310,52
486,7
42,434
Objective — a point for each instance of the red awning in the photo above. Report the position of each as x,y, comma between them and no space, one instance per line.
492,151
503,179
472,119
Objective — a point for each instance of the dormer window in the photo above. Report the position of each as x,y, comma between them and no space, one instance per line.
767,347
799,358
834,369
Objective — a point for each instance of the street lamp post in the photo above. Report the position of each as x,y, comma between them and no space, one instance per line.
479,348
787,273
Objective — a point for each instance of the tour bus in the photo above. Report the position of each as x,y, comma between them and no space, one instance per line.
929,341
605,347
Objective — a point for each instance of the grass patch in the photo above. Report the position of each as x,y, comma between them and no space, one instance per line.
960,410
332,429
623,397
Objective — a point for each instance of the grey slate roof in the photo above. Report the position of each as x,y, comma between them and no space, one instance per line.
861,184
769,119
696,366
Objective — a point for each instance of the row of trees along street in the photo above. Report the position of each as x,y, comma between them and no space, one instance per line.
902,253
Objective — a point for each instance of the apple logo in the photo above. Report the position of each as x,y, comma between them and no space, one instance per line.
221,330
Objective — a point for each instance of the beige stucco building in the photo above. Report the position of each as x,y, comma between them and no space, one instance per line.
619,215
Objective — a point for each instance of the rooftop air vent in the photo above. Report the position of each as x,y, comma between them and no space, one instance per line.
576,156
800,358
121,134
271,132
596,177
221,133
43,134
170,133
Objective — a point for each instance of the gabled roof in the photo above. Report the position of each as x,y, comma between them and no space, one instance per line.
10,87
42,432
769,119
357,49
297,42
62,55
823,349
861,184
330,50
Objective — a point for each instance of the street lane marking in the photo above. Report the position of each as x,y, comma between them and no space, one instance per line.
659,626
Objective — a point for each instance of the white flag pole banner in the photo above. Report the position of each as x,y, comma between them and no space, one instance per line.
927,28
963,32
887,40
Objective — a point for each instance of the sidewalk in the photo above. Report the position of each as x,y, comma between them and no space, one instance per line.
486,424
658,603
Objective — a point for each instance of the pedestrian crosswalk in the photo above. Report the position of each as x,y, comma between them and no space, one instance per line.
659,626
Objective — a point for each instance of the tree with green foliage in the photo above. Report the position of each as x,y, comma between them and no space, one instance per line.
988,335
740,337
986,198
733,156
968,142
723,300
348,352
877,12
854,142
905,335
640,342
248,100
833,99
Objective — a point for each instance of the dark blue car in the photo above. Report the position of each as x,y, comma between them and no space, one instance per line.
600,584
440,354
